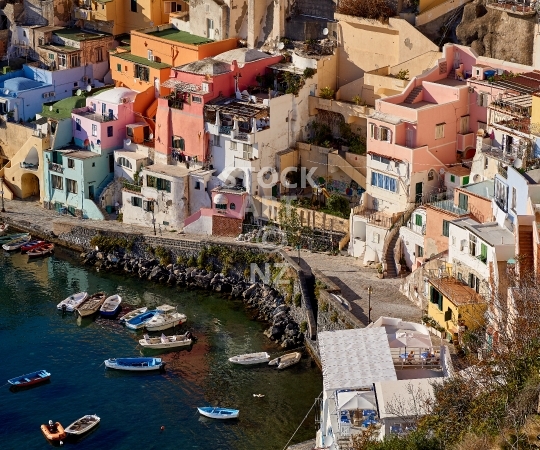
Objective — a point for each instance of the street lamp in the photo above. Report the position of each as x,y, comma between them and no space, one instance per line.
298,246
153,218
370,290
2,192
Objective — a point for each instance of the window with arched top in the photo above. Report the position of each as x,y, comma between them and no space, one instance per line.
124,162
232,206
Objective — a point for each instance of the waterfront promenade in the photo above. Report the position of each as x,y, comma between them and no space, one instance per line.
352,278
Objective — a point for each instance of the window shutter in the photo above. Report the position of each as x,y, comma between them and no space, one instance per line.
448,315
145,205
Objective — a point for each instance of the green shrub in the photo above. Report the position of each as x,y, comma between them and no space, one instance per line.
191,262
326,93
164,256
324,307
298,300
108,244
334,317
303,326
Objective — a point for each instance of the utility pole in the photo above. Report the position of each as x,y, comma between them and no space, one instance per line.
2,192
153,218
370,290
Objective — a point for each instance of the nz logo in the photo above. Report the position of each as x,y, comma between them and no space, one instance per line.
268,277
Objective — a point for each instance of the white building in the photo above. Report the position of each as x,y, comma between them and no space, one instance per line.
412,237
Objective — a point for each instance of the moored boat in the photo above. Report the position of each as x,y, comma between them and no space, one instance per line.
110,306
30,379
31,245
72,302
11,237
83,425
218,413
140,364
132,314
43,250
139,321
16,244
91,304
250,358
54,431
286,360
174,341
167,317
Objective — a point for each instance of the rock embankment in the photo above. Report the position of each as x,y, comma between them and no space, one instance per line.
268,303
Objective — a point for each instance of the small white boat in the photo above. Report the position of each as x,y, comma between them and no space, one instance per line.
83,425
174,341
218,413
15,244
132,314
72,302
167,317
3,228
286,360
110,306
251,358
140,364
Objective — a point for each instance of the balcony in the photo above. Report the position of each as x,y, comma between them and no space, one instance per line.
56,167
92,115
377,218
513,7
508,156
347,109
131,187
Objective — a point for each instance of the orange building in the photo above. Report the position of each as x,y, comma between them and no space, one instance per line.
147,63
476,198
438,217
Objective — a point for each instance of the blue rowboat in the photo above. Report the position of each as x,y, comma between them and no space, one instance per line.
140,321
140,364
218,413
39,376
111,306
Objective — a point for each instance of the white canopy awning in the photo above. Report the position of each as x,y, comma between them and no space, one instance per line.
354,359
350,400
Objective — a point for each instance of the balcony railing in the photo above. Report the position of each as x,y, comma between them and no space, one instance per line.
131,187
225,129
56,167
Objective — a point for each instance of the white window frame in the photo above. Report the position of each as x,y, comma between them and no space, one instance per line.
71,186
385,134
62,60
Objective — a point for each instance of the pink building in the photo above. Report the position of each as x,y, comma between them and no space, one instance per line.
180,132
102,122
224,218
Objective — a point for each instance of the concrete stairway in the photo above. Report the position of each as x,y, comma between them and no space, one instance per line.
391,270
413,95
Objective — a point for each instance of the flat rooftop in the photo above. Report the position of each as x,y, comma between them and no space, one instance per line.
456,291
460,171
76,34
81,154
172,34
483,189
172,171
140,60
490,232
130,154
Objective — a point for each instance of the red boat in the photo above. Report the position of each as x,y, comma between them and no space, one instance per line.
43,250
39,376
32,245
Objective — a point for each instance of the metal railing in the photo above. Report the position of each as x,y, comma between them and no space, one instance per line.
56,167
131,187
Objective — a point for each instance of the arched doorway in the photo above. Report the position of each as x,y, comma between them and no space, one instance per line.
29,185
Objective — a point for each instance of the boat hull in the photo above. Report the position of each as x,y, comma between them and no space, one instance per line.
91,305
12,246
287,360
111,306
250,359
83,425
135,364
54,436
165,325
44,250
132,314
30,379
139,322
219,413
72,302
156,343
32,245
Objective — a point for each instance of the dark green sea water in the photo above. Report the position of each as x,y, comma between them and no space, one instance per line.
133,407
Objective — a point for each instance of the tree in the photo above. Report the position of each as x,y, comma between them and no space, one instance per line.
338,205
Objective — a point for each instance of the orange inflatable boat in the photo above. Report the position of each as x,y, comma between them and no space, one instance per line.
54,431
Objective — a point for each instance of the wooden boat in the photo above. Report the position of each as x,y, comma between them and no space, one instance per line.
286,360
139,321
174,341
34,243
132,314
39,376
54,432
16,244
11,237
110,306
3,228
167,317
91,304
140,364
83,425
71,303
218,413
43,250
251,358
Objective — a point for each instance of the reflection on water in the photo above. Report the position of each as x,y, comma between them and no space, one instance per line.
134,406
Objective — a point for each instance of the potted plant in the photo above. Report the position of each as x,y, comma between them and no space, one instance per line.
380,272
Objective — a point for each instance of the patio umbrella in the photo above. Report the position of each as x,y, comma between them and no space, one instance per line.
356,400
410,339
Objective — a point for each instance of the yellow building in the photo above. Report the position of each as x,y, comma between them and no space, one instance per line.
121,16
535,114
455,306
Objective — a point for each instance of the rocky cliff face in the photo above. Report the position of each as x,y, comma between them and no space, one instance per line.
497,34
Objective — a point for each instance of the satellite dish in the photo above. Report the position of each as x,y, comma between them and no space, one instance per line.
79,92
6,91
281,46
50,108
151,136
88,88
518,163
325,31
442,171
127,141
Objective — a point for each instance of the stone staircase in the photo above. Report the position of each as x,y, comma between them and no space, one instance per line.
391,270
526,249
413,95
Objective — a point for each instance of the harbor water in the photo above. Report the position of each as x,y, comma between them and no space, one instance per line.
134,406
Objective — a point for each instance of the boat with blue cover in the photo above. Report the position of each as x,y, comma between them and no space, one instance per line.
140,364
218,413
139,321
10,237
39,376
